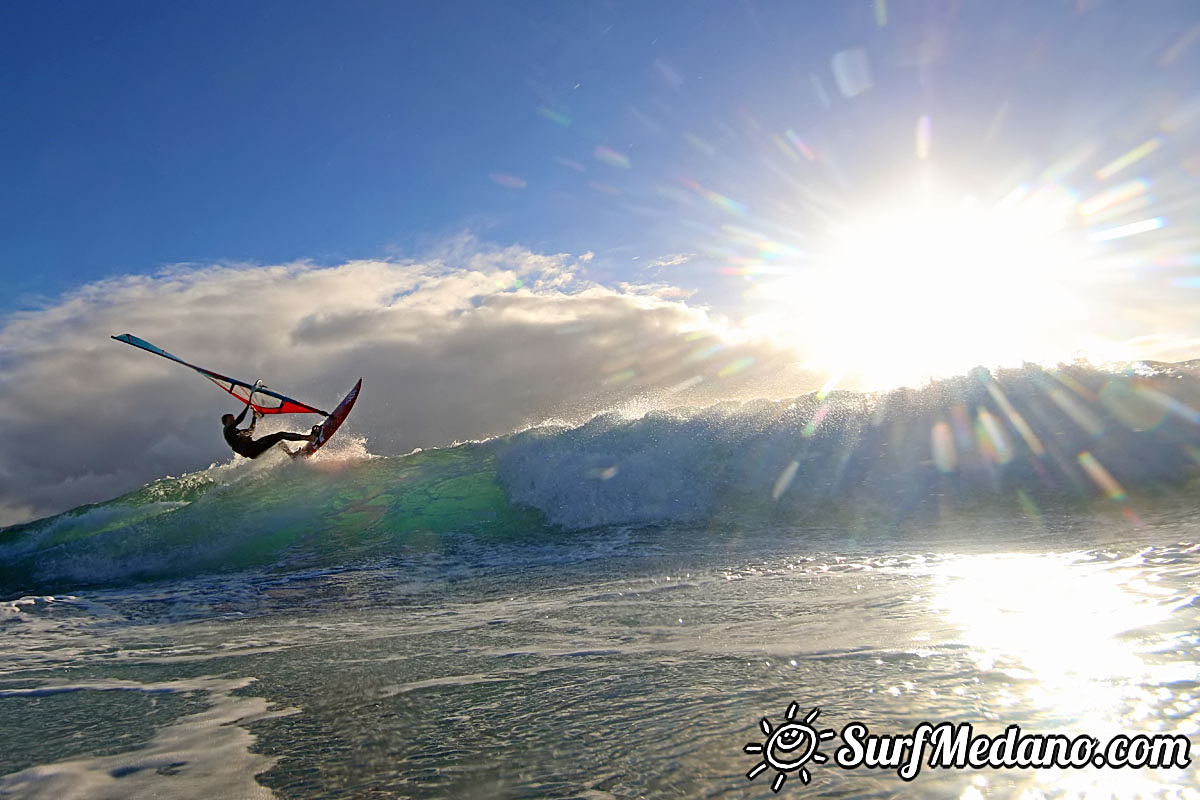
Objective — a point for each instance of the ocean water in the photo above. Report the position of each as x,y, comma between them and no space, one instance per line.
636,607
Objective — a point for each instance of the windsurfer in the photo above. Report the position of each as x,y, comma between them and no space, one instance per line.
243,442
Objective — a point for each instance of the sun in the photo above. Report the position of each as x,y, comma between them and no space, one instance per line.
916,289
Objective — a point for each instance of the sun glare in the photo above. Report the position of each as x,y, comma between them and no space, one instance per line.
1070,645
921,290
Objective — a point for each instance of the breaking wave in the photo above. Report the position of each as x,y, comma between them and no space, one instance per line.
1029,440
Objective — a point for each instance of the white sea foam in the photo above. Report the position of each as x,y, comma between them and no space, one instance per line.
203,755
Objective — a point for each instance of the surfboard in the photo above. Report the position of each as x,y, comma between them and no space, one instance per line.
331,423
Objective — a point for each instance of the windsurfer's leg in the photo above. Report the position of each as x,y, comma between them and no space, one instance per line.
270,440
256,448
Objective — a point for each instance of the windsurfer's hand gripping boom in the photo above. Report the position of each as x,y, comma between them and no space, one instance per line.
258,384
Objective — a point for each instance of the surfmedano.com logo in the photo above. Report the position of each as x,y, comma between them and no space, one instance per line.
791,746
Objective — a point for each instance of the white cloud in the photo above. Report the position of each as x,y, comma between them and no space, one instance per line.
472,342
674,260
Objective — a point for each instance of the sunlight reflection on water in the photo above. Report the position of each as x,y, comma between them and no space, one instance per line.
1076,637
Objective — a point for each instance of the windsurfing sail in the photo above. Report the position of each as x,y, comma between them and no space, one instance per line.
265,400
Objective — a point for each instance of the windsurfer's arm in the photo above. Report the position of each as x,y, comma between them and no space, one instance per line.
241,417
250,405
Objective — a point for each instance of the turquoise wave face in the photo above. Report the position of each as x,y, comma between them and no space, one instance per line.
286,515
1035,442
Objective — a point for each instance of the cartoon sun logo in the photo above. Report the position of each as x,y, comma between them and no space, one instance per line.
789,747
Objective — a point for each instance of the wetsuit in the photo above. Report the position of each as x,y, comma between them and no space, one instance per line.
244,445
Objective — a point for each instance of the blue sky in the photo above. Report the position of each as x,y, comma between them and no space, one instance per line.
143,134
